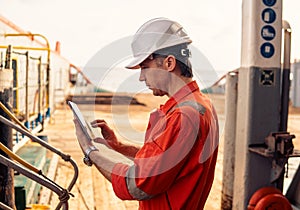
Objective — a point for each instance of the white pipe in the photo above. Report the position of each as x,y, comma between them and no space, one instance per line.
229,140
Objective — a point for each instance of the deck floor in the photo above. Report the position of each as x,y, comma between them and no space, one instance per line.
92,191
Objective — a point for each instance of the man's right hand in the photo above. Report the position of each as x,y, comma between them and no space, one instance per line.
110,140
108,134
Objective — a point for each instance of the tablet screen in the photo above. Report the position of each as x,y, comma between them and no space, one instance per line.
77,113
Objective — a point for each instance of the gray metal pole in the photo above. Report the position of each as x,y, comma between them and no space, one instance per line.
258,95
229,140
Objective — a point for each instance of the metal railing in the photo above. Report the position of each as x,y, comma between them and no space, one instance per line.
62,193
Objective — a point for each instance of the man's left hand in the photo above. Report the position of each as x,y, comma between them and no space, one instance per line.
83,141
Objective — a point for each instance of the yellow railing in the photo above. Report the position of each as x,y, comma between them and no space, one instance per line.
47,48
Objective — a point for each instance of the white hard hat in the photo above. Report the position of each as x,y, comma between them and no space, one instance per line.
154,35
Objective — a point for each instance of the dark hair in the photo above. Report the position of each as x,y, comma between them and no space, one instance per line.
182,54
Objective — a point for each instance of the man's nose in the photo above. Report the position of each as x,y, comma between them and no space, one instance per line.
142,75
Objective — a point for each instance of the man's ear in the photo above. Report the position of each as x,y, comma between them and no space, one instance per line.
170,63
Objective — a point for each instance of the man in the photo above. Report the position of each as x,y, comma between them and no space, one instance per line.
174,169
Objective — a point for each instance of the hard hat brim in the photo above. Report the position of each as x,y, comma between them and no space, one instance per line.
136,61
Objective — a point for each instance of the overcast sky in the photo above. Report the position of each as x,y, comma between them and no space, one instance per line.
84,27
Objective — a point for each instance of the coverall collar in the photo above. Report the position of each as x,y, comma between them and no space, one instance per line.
178,96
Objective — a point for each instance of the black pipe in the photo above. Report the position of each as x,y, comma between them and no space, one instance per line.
285,92
285,89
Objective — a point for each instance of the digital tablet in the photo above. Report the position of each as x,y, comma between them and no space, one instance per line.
87,130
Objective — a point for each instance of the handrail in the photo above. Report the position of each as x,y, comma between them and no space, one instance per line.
65,157
18,159
25,48
31,167
48,60
12,116
33,35
81,72
5,207
62,193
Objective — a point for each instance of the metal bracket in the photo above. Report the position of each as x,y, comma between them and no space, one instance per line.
279,147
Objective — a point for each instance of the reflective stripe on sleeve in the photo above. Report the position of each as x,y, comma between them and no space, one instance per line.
134,191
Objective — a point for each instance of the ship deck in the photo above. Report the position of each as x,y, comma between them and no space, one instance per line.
92,191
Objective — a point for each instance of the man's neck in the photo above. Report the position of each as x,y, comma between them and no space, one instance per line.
177,83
